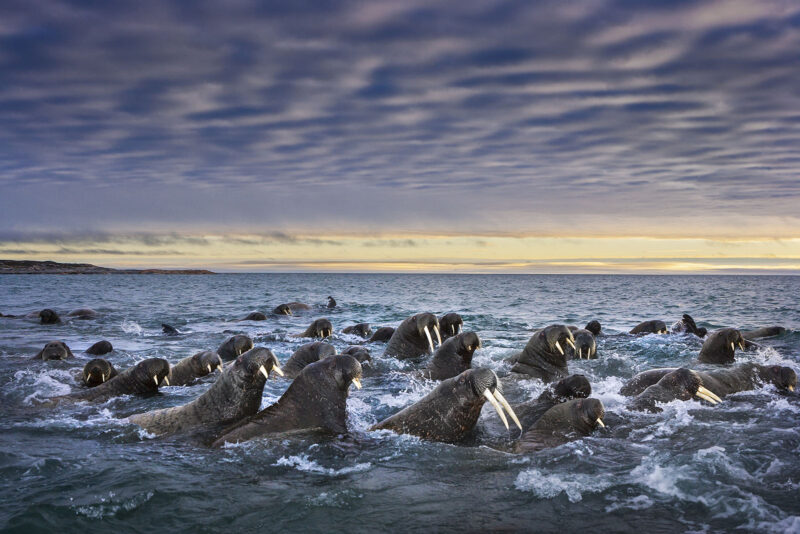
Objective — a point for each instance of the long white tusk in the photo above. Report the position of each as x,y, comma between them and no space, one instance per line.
357,383
277,369
453,329
155,379
733,348
709,393
600,422
459,328
499,396
580,353
430,341
438,337
706,398
570,343
208,366
263,371
741,346
558,346
497,407
103,376
791,388
219,367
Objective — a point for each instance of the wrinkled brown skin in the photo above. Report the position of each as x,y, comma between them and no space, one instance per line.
572,387
449,412
450,324
680,384
650,327
767,331
192,368
236,394
382,334
254,316
744,377
453,357
82,313
359,353
320,328
408,340
717,346
305,355
315,400
540,358
360,329
562,423
585,343
54,350
97,371
100,348
234,346
136,380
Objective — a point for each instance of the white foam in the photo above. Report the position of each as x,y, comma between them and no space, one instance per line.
303,463
548,486
108,507
131,327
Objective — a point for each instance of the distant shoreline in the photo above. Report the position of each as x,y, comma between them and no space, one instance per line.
52,267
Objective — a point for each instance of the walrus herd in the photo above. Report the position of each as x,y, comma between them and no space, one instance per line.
320,380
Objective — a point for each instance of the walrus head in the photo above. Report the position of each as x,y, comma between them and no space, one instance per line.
450,324
466,344
97,371
585,345
360,329
48,316
593,327
359,353
572,387
720,347
781,377
681,384
100,348
589,415
321,328
384,333
556,337
427,325
206,362
255,366
255,316
282,309
54,350
148,374
234,346
650,327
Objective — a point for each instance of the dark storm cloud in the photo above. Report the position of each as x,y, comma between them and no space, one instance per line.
531,109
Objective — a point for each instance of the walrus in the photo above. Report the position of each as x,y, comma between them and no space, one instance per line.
453,357
449,412
413,337
722,382
681,384
98,371
305,355
360,329
236,394
767,331
331,302
561,424
382,334
315,400
234,346
544,356
193,367
100,348
359,353
594,327
720,346
585,346
83,313
450,324
169,330
297,307
320,328
255,316
571,387
282,309
687,325
142,378
54,350
650,327
48,316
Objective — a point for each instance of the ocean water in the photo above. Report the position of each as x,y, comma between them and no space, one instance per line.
693,467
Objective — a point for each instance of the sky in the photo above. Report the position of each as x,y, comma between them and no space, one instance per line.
444,136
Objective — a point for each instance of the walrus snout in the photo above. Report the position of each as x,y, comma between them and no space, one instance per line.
785,377
97,371
592,412
259,360
450,324
485,384
688,384
574,386
558,336
427,323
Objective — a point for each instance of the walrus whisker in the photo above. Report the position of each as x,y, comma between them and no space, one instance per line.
558,346
499,396
438,336
357,382
600,422
496,406
709,393
570,343
430,341
264,372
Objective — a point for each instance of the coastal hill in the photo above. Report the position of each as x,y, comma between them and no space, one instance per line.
52,267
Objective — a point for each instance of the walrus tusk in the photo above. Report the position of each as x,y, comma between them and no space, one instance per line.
438,337
155,379
706,398
459,329
166,380
580,353
264,372
357,383
496,406
570,343
430,341
499,396
208,366
708,393
733,348
741,347
600,422
790,388
277,370
559,348
219,367
453,329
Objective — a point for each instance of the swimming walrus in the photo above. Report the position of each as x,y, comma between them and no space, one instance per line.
54,350
97,371
544,357
413,337
193,367
687,325
47,316
360,329
236,394
767,331
83,313
449,412
296,307
282,309
450,324
100,348
744,377
681,384
571,387
359,353
142,378
720,346
169,330
650,327
315,400
561,424
453,357
320,328
234,346
254,316
305,355
383,334
331,302
585,346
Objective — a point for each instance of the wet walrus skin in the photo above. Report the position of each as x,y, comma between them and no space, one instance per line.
305,355
360,329
450,324
234,346
767,331
572,387
561,424
193,367
650,327
723,382
681,384
585,346
720,346
83,313
97,371
235,395
320,328
414,337
453,357
54,350
255,316
315,400
142,378
449,412
383,334
100,348
543,356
